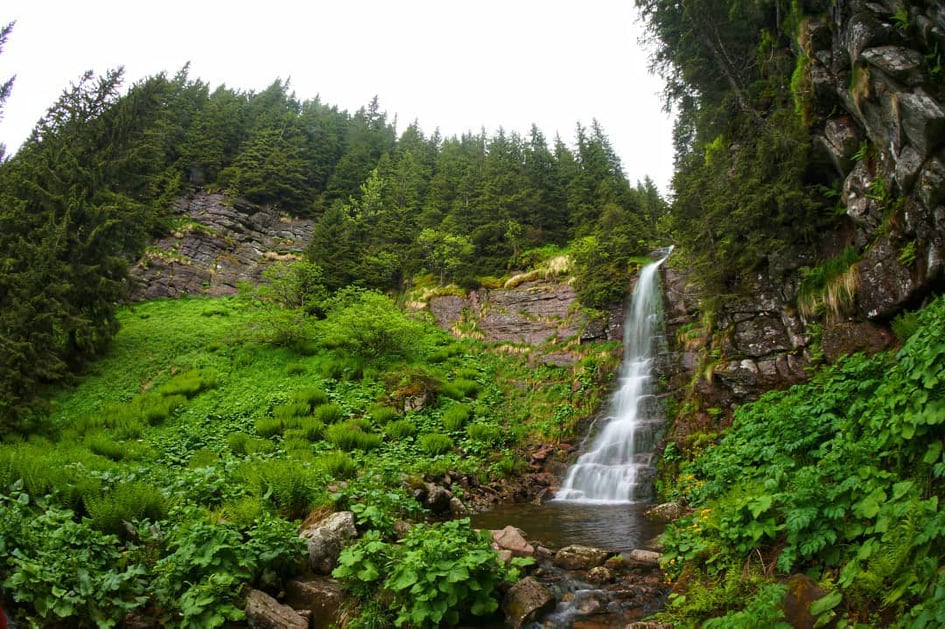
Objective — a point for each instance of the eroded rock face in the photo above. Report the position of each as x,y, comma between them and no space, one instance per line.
220,244
532,313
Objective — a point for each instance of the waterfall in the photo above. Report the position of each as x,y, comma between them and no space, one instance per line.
617,467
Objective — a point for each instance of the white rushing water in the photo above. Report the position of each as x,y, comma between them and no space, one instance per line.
617,467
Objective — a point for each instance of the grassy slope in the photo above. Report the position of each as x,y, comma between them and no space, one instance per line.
216,458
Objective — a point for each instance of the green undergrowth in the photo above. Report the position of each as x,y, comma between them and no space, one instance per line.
179,468
839,479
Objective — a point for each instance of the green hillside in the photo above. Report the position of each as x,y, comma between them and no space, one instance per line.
181,465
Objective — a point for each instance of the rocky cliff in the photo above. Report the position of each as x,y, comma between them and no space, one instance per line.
217,244
872,90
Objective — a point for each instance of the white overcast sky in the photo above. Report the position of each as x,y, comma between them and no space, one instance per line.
454,65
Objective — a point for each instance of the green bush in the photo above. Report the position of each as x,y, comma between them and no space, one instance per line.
311,428
328,413
289,485
237,442
350,436
259,445
291,410
440,575
434,443
370,325
400,429
455,417
295,369
104,446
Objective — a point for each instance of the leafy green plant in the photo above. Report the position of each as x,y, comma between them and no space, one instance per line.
835,475
435,577
63,569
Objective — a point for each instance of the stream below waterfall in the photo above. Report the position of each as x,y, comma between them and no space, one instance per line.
557,524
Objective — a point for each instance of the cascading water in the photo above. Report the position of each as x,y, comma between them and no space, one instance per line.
617,468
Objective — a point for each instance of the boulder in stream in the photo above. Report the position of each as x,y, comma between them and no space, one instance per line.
577,557
527,601
512,540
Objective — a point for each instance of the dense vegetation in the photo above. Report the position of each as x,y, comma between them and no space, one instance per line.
839,479
180,467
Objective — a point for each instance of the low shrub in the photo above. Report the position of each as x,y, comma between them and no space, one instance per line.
125,502
237,442
489,434
383,414
434,443
288,485
189,383
291,410
105,446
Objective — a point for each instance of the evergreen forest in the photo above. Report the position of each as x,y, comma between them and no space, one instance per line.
157,458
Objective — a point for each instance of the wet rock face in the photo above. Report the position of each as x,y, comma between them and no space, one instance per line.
890,98
220,244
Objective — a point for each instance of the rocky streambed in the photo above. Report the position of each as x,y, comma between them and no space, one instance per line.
573,587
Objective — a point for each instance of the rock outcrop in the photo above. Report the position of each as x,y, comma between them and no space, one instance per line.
880,120
876,97
218,244
532,313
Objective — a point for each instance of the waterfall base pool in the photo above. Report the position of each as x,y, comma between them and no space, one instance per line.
555,524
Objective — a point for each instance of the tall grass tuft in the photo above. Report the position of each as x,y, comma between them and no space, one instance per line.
455,417
350,436
831,286
400,429
434,443
328,413
311,396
